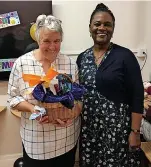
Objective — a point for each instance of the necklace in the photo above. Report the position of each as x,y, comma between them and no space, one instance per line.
101,56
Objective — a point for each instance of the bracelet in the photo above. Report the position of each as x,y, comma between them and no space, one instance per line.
135,130
36,108
41,112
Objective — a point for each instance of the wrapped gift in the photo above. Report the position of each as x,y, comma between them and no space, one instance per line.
62,99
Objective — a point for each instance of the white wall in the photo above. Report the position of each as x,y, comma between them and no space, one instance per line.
75,16
131,30
147,37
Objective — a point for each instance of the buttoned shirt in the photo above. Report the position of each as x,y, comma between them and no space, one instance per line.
41,141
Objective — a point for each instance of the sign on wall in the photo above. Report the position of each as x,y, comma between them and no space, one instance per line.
9,19
6,64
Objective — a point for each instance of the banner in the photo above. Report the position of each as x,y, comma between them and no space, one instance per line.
9,19
6,64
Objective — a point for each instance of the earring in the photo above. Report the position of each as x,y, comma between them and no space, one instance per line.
90,35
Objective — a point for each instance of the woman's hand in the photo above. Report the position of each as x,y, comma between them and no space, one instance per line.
134,141
40,115
60,123
43,120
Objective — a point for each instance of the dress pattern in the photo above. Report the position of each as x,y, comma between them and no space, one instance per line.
105,125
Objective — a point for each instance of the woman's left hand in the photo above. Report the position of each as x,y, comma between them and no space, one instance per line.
60,123
134,141
43,120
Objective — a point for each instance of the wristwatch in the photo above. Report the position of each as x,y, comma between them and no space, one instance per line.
135,130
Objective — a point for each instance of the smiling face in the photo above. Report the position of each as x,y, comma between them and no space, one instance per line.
101,28
49,43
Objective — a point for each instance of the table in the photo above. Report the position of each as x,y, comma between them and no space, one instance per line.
2,108
146,147
16,113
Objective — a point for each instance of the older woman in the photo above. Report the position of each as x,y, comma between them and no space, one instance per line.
113,104
44,144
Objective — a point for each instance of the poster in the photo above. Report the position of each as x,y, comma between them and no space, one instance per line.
6,64
9,19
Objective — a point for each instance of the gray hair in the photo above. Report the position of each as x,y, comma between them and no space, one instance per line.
50,22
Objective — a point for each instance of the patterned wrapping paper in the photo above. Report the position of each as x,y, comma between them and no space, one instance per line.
66,99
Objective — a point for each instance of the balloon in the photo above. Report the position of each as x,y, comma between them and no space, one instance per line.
32,31
12,20
19,162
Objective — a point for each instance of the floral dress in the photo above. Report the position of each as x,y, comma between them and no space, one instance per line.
105,125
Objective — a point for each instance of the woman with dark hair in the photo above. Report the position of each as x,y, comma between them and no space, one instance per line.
113,102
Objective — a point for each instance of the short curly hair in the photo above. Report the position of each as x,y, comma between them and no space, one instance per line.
50,22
